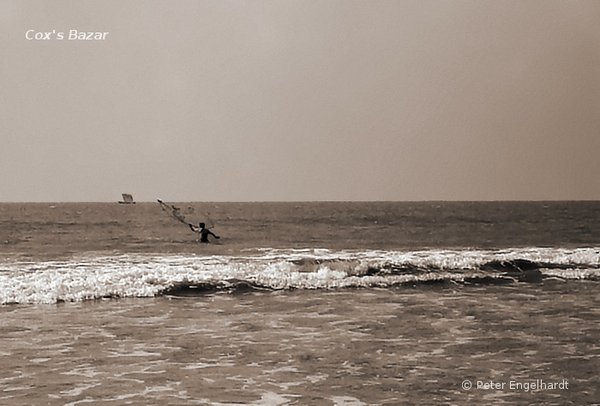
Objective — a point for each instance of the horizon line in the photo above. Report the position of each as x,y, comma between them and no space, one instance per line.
308,201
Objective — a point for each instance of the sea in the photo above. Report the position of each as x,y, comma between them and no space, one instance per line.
308,303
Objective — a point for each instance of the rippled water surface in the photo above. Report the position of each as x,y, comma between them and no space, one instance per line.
300,304
306,347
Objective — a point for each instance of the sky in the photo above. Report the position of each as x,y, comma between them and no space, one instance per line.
295,100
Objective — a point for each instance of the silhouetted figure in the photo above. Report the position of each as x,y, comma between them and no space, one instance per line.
203,232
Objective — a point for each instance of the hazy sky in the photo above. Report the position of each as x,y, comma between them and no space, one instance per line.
301,100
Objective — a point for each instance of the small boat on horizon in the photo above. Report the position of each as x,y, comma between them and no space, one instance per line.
127,199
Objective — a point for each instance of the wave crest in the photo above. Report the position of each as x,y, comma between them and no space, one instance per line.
86,278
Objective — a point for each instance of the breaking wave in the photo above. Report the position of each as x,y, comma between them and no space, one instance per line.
93,277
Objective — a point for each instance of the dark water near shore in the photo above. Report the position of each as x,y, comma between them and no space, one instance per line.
300,303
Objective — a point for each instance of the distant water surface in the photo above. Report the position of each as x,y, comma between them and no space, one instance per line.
44,230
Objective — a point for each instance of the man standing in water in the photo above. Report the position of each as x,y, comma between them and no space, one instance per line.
203,232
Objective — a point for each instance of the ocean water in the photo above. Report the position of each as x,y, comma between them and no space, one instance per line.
300,303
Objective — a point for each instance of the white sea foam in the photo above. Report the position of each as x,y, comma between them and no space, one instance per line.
92,277
346,401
